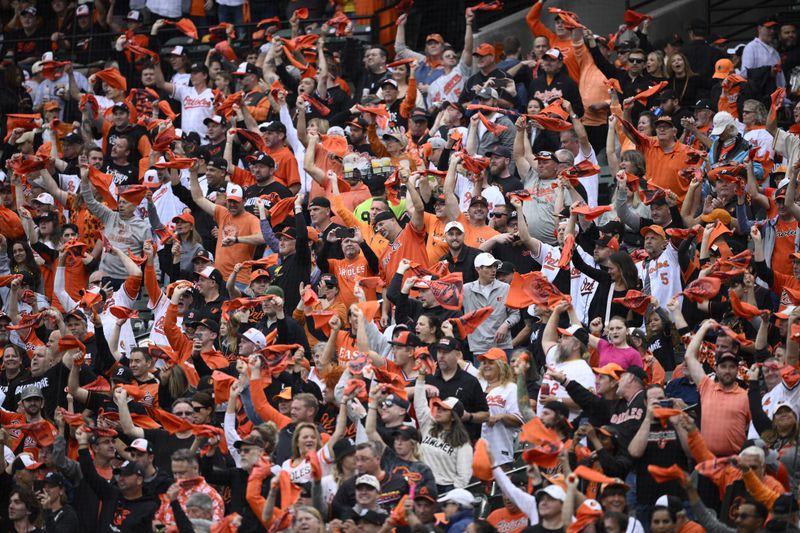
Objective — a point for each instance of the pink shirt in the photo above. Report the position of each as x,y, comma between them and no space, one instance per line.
624,357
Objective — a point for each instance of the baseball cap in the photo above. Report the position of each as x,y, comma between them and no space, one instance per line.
288,233
55,479
373,517
177,51
703,104
30,10
211,273
554,491
407,432
736,50
198,67
254,439
83,11
406,338
493,354
666,119
140,445
389,81
51,105
499,150
454,224
184,217
434,37
394,136
203,255
487,93
447,344
613,370
727,356
462,497
484,49
247,68
424,493
275,125
216,119
369,480
25,137
31,392
72,138
554,53
637,371
722,120
256,274
506,267
260,158
478,200
608,241
450,403
557,407
658,230
234,192
320,201
786,504
129,468
45,198
256,337
486,259
134,15
419,115
781,404
329,280
122,374
285,394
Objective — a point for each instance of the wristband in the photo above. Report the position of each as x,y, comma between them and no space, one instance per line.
237,239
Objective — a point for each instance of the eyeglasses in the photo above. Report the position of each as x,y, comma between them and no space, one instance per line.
635,60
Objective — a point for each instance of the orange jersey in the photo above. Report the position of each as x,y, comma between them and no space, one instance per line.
409,244
347,272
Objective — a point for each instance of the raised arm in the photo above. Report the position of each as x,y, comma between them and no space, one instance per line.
521,150
309,164
197,193
451,206
693,366
125,420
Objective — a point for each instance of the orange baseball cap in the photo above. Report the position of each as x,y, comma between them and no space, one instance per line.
255,274
485,49
658,230
185,217
494,354
434,37
613,370
722,68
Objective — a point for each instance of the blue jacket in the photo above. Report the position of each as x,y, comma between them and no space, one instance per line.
460,521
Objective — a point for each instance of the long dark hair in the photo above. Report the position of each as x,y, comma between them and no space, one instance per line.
627,269
456,437
30,263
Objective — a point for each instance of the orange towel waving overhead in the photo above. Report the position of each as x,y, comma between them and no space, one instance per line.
8,279
252,137
566,252
491,127
634,300
281,211
496,5
468,323
449,290
356,387
644,95
702,289
475,164
481,463
224,48
102,182
341,22
187,27
25,121
588,513
591,213
551,123
743,309
222,386
164,139
113,78
662,474
301,13
589,474
634,18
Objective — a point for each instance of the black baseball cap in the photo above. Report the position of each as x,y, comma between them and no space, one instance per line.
499,150
342,449
275,125
320,201
419,115
447,344
72,138
55,479
329,280
260,158
122,374
129,468
408,432
218,162
557,407
372,517
198,67
666,94
249,68
506,267
703,104
637,371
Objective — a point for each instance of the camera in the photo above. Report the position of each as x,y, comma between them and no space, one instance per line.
345,233
666,403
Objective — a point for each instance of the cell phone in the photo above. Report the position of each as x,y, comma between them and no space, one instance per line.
666,403
345,233
583,422
38,485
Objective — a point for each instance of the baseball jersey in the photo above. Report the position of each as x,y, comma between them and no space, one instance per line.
195,108
577,370
582,287
501,400
664,274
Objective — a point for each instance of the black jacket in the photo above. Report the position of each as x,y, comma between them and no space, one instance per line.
561,86
236,479
464,264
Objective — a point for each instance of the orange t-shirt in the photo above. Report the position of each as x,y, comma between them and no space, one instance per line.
591,85
533,19
504,521
285,166
347,272
409,244
226,257
345,347
373,240
663,167
474,235
436,246
10,224
75,277
785,235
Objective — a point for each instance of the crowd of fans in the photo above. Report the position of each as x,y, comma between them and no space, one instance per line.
267,292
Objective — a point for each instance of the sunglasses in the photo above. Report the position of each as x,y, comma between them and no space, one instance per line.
183,413
635,60
498,215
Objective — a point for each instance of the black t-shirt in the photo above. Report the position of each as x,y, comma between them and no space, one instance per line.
663,449
510,184
467,389
539,528
518,254
26,46
254,192
166,444
122,175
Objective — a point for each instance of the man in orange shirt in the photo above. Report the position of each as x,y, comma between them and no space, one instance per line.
664,155
286,170
359,262
561,39
255,100
509,518
239,231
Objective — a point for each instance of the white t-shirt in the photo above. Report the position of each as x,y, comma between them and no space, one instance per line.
195,108
762,139
181,78
590,183
157,335
464,188
302,472
577,370
448,87
501,438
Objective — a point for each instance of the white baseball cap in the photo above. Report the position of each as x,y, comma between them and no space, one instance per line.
722,120
256,337
177,51
45,198
554,491
141,445
150,177
234,192
368,479
462,497
486,259
454,224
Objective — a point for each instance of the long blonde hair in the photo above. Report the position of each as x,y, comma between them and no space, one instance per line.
296,437
506,374
312,511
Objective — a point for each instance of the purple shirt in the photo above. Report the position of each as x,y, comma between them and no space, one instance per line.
624,357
